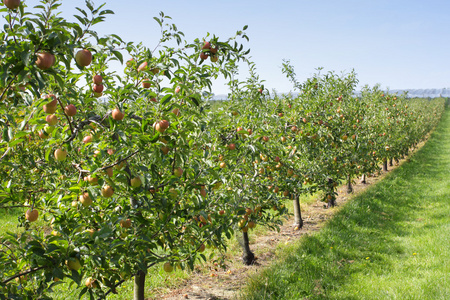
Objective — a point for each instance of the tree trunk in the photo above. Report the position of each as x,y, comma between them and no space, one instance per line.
248,257
332,199
298,222
385,167
349,185
139,284
391,163
363,179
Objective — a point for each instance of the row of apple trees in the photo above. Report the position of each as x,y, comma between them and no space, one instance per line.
120,171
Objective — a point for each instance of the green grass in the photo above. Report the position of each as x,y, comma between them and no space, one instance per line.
390,242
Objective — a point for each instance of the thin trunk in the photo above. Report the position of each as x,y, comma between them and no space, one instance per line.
391,163
248,257
349,185
298,222
331,199
385,167
363,179
139,284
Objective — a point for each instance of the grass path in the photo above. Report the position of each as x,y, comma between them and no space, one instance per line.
390,242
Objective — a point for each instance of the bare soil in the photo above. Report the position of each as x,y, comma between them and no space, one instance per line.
215,283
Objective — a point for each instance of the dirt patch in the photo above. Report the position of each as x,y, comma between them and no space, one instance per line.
225,284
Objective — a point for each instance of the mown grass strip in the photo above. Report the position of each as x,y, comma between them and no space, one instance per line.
390,242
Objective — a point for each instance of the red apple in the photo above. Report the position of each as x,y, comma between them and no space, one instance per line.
97,88
165,149
51,120
203,55
177,90
87,139
206,45
146,83
117,114
232,146
97,79
125,223
142,67
83,57
45,60
70,110
12,4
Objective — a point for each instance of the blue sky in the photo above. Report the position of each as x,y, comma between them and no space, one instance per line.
398,44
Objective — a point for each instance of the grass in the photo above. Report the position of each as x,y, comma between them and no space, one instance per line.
390,242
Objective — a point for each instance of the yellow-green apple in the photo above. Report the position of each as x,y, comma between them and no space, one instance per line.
135,182
85,199
178,172
107,191
60,154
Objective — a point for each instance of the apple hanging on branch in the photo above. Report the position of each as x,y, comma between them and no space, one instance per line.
83,57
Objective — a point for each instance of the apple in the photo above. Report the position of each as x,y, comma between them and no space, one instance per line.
136,182
203,192
203,55
91,283
109,171
222,165
60,154
146,83
168,267
85,199
87,139
251,224
221,212
125,223
178,172
107,191
164,124
70,110
12,4
45,60
97,88
265,138
177,89
83,57
214,58
73,264
32,215
283,139
232,146
155,71
165,149
344,137
48,129
249,131
43,135
97,79
117,114
176,112
143,66
51,120
260,91
49,108
213,50
202,248
206,45
153,100
92,180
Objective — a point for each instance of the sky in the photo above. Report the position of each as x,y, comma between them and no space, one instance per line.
395,43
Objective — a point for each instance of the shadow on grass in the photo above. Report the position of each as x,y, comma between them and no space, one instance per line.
363,237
